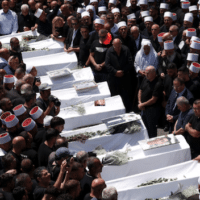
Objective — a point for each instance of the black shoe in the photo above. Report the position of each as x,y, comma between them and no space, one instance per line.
166,128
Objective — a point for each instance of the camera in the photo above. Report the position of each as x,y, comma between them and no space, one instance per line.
37,79
55,100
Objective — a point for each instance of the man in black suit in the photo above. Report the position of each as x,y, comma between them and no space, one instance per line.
74,36
171,110
137,37
168,20
155,30
175,34
126,39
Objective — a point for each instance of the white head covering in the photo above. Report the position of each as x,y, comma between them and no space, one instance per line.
164,6
113,2
47,120
184,0
19,110
28,124
198,2
148,19
159,36
99,21
191,32
5,138
8,79
4,115
38,12
144,13
144,60
102,9
194,38
168,14
195,67
11,121
143,2
192,57
174,16
192,8
195,44
168,45
120,24
84,14
92,1
80,10
36,112
185,5
115,10
131,16
91,7
188,17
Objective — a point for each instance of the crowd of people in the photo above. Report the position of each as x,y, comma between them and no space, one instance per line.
147,51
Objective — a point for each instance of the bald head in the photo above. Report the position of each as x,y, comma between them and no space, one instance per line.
97,187
4,53
167,36
18,142
25,88
116,41
135,32
107,26
28,78
151,68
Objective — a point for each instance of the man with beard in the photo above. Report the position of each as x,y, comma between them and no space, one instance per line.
169,55
15,49
126,39
131,21
148,21
13,62
168,20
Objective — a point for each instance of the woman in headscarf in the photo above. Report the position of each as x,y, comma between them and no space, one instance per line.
145,57
91,10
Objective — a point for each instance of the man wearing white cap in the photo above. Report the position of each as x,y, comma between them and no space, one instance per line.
111,4
45,21
8,82
95,4
102,10
5,144
116,13
47,121
86,20
192,57
98,25
188,21
163,8
193,9
168,20
148,21
126,39
12,125
194,70
195,47
185,6
20,112
131,20
171,56
97,56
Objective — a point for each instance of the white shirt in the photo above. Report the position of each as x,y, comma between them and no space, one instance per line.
8,22
73,36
